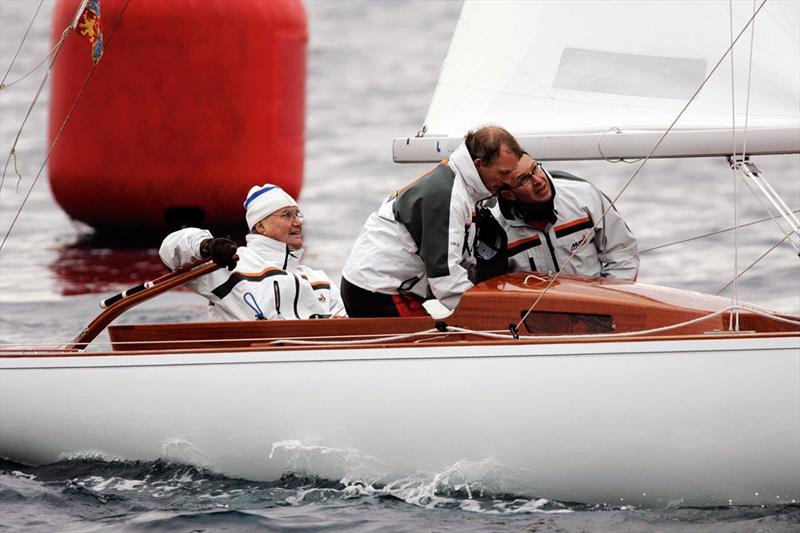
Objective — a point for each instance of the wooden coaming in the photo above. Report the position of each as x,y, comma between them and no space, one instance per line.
490,306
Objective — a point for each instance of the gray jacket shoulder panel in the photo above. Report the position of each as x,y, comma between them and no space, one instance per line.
423,208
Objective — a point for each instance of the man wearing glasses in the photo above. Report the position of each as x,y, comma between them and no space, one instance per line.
553,222
264,279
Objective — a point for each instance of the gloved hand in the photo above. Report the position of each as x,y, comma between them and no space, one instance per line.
221,250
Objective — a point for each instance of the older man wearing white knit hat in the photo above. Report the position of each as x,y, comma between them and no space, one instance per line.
264,279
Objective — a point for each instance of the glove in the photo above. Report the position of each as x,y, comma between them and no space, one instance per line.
221,250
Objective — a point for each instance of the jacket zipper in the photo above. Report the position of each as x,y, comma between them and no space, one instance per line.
277,298
552,250
296,294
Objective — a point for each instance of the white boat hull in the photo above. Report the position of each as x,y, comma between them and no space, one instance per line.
694,422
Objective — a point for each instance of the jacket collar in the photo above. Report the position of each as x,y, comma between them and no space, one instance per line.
273,251
461,163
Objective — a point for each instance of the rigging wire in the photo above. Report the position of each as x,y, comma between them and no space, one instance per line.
591,233
12,154
63,125
743,272
31,71
749,83
733,323
736,194
13,59
710,234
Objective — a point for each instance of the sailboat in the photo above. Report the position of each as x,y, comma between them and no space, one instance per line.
572,388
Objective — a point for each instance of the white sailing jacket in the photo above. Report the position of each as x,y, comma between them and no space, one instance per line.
417,240
268,281
577,207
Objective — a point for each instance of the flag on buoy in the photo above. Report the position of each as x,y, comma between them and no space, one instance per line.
88,25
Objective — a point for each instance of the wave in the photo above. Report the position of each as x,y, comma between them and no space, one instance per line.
95,493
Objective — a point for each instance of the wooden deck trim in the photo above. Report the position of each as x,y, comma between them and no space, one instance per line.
263,347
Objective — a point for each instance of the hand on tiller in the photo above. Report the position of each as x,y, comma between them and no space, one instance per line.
222,251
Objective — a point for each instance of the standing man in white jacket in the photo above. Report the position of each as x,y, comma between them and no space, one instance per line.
551,222
415,246
264,280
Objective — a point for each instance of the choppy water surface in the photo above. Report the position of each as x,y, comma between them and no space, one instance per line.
372,70
88,495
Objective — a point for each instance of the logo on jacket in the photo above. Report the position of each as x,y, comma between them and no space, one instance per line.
321,298
575,246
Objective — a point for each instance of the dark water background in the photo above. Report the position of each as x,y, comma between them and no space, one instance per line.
372,70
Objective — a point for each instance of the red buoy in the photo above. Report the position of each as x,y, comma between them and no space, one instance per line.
191,104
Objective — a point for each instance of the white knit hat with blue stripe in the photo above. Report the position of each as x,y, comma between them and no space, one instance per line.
264,200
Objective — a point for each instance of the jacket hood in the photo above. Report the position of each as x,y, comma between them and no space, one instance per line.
461,163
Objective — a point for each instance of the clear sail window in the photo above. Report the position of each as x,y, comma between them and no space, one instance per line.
629,74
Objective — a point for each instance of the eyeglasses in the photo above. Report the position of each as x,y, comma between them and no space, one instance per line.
524,179
288,215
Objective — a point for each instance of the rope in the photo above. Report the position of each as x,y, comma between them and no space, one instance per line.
661,329
641,166
25,36
222,341
379,340
742,273
13,152
718,232
749,79
31,71
733,325
736,198
603,155
61,129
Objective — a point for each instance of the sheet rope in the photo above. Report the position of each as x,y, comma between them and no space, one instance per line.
509,336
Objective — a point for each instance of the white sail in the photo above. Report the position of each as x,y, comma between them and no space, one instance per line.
594,80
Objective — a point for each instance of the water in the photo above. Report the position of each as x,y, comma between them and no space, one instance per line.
372,70
88,495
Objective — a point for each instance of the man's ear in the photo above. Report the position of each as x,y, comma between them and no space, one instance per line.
508,194
478,163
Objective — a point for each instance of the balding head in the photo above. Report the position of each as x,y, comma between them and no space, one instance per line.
486,142
495,154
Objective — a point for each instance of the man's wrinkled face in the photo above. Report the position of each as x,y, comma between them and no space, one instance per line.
501,172
533,187
284,225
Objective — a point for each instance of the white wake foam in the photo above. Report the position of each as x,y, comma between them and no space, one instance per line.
366,476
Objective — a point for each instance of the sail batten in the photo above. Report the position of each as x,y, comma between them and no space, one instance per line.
562,75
